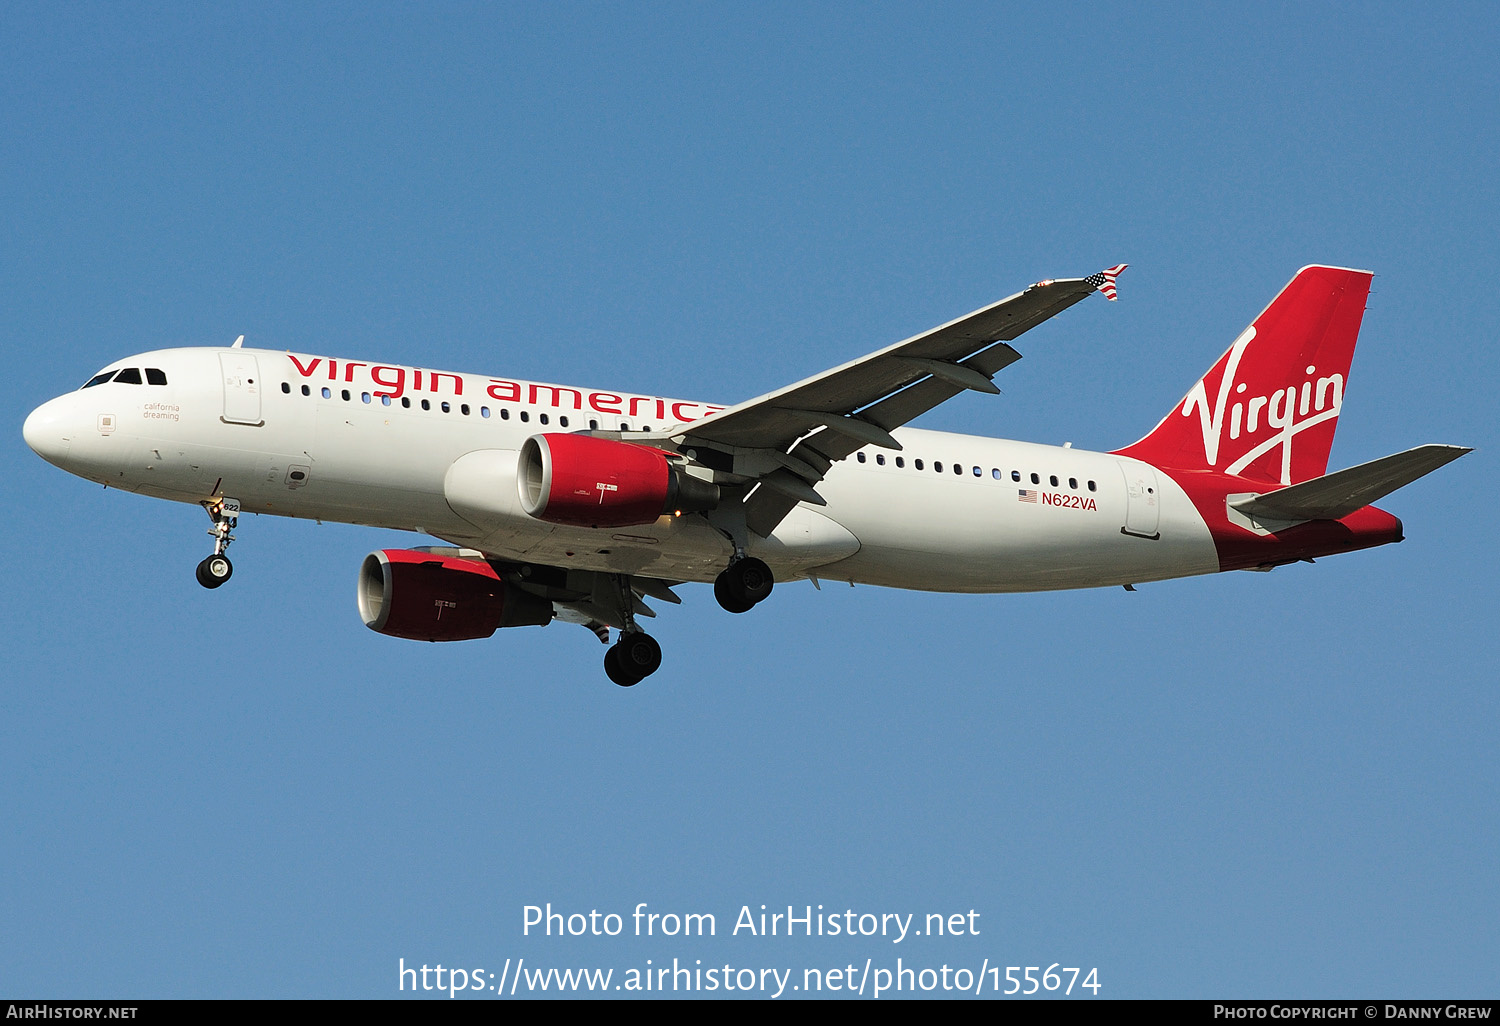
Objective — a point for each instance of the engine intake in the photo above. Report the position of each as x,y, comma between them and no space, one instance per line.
424,596
597,482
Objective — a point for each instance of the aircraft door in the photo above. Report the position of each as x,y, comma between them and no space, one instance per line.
241,388
1142,500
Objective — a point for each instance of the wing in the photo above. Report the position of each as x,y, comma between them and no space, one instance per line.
596,600
778,446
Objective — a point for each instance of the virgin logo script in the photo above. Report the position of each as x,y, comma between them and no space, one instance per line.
1315,400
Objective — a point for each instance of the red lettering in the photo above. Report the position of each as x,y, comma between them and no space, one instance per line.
1068,501
392,388
306,372
635,400
598,400
556,400
349,369
458,384
677,413
504,391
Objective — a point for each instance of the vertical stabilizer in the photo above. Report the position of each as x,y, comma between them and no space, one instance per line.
1268,408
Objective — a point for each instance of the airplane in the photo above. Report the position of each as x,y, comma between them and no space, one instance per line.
575,504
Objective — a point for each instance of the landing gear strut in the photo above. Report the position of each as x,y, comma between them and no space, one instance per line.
744,583
215,570
636,655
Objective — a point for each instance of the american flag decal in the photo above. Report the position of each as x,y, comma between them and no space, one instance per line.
1026,495
1104,281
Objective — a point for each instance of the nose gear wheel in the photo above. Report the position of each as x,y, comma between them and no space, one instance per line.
214,571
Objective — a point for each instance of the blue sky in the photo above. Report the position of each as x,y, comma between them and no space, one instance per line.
1239,786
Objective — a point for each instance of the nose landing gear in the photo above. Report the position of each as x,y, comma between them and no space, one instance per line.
216,569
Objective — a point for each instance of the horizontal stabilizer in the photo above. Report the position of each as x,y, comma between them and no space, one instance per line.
1334,496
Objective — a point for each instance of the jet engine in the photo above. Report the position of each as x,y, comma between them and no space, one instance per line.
597,482
428,596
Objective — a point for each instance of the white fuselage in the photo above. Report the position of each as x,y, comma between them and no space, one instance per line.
980,515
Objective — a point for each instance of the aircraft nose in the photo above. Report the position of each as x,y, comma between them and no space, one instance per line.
47,432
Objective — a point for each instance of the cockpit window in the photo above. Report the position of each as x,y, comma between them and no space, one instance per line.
99,379
155,377
128,376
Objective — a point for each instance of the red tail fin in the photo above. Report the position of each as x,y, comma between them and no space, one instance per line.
1269,407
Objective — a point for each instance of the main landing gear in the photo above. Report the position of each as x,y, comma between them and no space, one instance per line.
744,583
632,659
215,570
636,655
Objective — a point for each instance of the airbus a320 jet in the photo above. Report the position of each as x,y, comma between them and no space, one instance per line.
577,504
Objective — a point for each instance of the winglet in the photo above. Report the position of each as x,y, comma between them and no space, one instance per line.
1104,281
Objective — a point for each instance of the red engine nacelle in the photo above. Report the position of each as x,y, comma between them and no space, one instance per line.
597,482
425,596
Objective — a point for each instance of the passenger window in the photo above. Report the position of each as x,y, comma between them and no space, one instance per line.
364,397
326,393
1053,479
880,458
99,379
1091,486
446,407
345,394
593,425
285,387
156,377
1036,479
1015,475
860,456
542,418
406,402
997,475
128,376
484,411
563,421
385,400
426,405
958,468
504,413
917,464
937,467
464,409
306,390
900,462
525,416
980,473
1073,483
